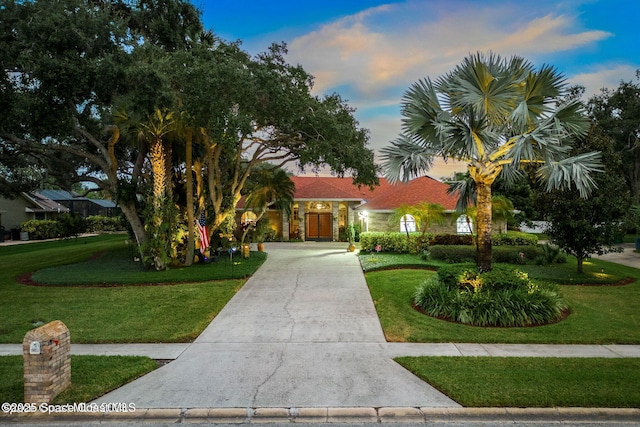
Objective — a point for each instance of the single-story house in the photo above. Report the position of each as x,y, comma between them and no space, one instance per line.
323,206
81,205
25,207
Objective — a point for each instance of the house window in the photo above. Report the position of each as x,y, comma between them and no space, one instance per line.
464,225
248,217
407,224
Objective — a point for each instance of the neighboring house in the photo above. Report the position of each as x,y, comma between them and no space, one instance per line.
81,205
48,204
325,205
27,206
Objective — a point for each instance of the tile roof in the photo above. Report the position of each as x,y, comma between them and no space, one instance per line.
383,197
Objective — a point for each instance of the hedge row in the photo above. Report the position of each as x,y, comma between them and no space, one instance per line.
398,242
67,225
395,242
98,223
40,229
508,254
514,238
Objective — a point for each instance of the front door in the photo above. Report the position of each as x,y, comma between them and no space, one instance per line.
319,226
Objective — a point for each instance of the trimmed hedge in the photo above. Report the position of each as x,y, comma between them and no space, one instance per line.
514,238
466,253
395,242
99,223
40,229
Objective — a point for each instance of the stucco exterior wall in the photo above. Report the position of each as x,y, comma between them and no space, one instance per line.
379,221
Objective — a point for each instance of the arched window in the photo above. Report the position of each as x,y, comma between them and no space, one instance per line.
407,224
464,225
248,216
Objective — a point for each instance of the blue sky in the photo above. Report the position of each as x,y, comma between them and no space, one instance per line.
371,51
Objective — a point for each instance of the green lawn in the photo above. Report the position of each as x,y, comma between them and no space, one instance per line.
168,313
532,382
91,376
599,314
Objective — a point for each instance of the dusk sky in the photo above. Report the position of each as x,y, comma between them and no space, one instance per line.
371,51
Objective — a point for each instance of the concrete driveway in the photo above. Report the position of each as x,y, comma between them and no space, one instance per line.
302,332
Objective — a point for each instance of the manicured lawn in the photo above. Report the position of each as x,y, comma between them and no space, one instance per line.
91,376
168,313
532,382
381,261
117,266
599,314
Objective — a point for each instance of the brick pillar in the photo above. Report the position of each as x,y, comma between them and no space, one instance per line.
335,211
302,221
286,226
47,362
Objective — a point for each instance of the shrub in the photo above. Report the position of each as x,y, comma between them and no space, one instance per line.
70,224
451,239
395,242
507,254
514,238
551,254
39,229
99,223
452,253
501,297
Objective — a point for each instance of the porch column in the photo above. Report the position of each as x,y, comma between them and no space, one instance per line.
302,220
336,220
285,226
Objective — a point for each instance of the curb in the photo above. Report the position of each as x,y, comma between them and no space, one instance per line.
414,415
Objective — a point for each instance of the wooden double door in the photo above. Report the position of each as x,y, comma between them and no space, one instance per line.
319,226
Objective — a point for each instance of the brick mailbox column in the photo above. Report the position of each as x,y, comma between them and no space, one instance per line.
47,362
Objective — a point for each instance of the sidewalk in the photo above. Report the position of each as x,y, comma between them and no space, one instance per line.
390,350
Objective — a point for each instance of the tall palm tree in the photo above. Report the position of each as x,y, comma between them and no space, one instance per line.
496,115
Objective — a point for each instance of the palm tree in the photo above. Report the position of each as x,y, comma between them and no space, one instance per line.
427,214
271,188
496,115
401,215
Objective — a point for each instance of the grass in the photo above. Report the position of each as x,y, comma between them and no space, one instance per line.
91,376
117,266
532,382
381,261
599,314
176,313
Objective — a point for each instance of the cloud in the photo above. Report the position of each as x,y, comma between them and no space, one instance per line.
393,45
372,57
603,76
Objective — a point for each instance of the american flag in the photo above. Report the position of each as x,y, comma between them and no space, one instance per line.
202,232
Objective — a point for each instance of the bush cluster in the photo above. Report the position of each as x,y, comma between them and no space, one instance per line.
507,254
39,229
71,224
99,224
514,238
398,242
501,297
395,242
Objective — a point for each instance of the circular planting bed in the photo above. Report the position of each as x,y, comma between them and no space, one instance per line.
502,297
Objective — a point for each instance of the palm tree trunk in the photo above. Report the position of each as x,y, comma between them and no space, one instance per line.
483,220
190,206
158,169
